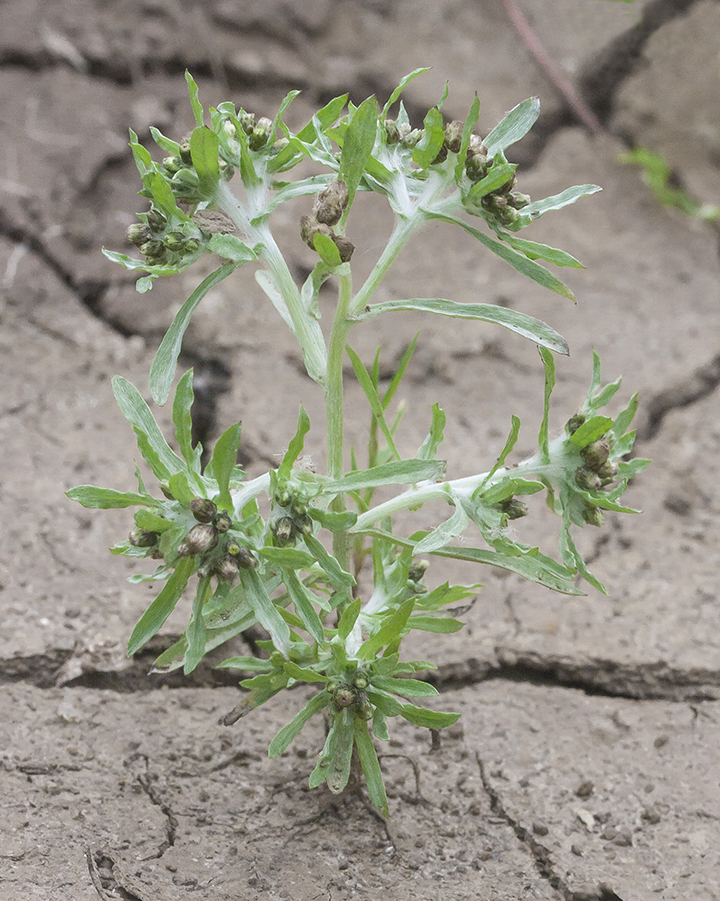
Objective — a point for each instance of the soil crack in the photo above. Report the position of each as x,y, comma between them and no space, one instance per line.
148,783
697,386
539,853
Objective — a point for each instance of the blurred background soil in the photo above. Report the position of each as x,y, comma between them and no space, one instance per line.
585,766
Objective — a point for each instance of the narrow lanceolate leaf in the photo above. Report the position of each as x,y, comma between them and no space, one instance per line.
348,618
327,249
400,88
196,105
163,367
163,605
390,631
266,612
432,140
151,442
520,323
496,178
182,420
223,462
444,533
509,445
518,261
514,126
410,688
195,632
358,145
373,398
370,767
536,251
399,472
339,762
296,445
470,123
589,431
106,498
231,248
558,201
430,719
428,449
290,732
544,436
302,599
337,574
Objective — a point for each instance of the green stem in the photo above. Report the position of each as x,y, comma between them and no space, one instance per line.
334,408
401,233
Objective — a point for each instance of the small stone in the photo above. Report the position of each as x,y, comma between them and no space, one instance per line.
540,828
585,789
623,839
608,833
650,815
576,850
660,741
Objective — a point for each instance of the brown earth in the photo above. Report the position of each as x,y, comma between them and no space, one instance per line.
585,764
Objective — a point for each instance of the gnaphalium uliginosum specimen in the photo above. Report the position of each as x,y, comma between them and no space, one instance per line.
283,549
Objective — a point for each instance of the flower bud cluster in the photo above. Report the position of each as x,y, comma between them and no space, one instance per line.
597,470
402,133
289,518
503,203
222,554
416,576
330,203
160,243
258,132
352,695
182,177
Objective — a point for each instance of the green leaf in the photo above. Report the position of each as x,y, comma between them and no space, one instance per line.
195,632
152,620
399,372
266,612
348,618
324,118
499,175
248,664
163,196
428,449
543,438
340,760
357,146
441,624
106,498
150,522
430,719
290,732
444,533
558,201
389,631
165,143
513,127
327,249
397,472
370,767
231,248
517,260
302,597
535,568
520,323
162,371
411,688
295,448
624,418
334,522
182,419
152,445
337,574
193,88
400,88
507,449
288,557
432,140
373,397
536,251
304,674
470,123
590,430
224,460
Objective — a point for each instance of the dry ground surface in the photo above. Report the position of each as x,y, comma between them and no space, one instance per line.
586,763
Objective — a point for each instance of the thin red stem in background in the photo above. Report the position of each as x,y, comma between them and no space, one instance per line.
556,76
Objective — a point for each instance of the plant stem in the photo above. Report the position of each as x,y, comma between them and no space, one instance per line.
334,409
